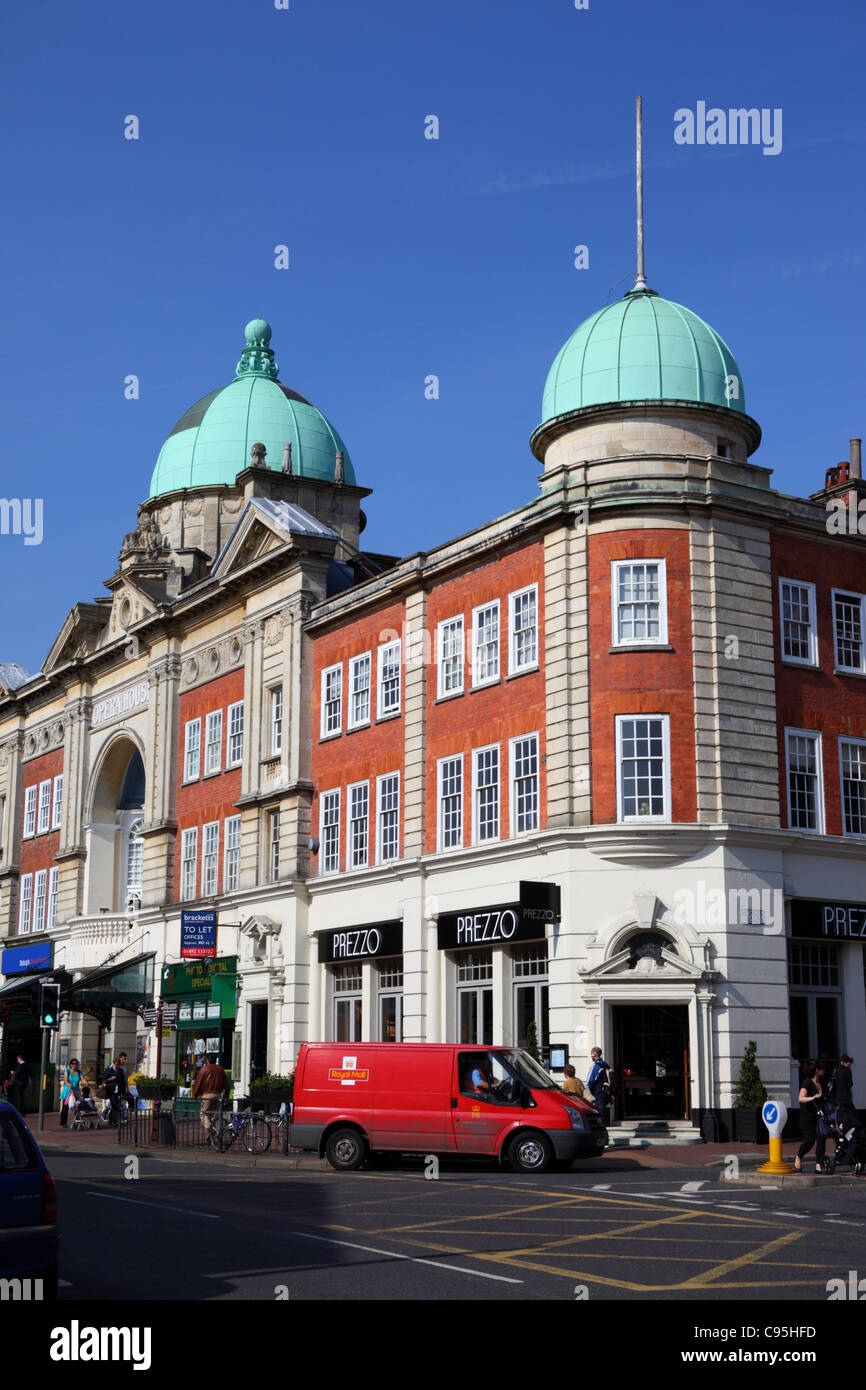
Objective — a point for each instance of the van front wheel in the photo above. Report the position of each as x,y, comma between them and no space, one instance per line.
530,1152
345,1149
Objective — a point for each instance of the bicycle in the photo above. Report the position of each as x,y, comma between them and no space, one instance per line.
278,1125
243,1124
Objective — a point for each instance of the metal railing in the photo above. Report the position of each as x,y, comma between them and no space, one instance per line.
181,1124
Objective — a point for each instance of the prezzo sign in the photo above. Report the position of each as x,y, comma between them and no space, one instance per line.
487,925
360,943
819,919
134,697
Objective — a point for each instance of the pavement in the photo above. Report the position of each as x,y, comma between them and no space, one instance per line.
54,1138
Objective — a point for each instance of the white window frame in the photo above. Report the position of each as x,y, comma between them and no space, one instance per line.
383,709
213,721
812,658
231,866
25,903
478,682
30,795
44,822
849,594
859,743
324,731
192,750
274,823
53,894
512,785
353,862
57,802
616,639
276,714
354,663
476,789
188,855
235,717
210,859
329,821
441,847
513,668
638,819
442,628
815,736
386,777
40,899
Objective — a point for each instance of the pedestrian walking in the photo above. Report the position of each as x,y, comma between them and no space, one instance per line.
210,1086
813,1126
70,1090
20,1082
572,1083
114,1081
598,1083
842,1084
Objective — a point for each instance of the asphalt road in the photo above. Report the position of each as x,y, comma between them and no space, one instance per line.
184,1230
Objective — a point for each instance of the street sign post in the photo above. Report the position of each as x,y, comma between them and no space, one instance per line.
774,1113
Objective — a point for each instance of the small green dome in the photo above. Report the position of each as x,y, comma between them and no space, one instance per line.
211,441
643,348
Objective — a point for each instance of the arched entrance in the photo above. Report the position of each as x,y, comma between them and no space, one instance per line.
113,831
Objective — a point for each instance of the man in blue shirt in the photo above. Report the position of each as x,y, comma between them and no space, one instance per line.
598,1079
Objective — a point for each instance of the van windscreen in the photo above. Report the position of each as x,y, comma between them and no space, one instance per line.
530,1072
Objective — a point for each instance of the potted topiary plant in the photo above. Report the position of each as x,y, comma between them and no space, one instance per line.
532,1040
748,1098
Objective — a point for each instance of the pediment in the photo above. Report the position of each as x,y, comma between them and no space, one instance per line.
265,526
80,634
129,606
620,968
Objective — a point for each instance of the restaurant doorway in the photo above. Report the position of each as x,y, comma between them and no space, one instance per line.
651,1061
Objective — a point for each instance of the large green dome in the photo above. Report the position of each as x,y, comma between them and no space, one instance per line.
211,442
643,348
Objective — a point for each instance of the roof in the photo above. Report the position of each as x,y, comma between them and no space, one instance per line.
212,441
642,348
13,674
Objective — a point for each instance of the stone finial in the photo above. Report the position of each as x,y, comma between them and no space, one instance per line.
339,471
257,358
257,453
287,459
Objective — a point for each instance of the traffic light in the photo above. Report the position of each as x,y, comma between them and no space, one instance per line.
49,1006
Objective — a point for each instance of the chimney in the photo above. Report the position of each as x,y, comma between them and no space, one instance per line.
854,459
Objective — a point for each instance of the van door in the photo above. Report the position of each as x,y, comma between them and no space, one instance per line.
487,1102
413,1100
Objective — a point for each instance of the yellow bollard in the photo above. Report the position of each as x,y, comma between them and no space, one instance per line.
774,1114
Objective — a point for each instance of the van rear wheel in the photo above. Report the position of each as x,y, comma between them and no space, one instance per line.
346,1149
531,1152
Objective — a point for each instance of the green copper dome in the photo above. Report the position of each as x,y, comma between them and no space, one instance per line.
643,348
211,442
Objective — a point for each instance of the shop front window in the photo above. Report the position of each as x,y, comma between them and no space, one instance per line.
815,1000
529,966
391,1001
475,997
348,1003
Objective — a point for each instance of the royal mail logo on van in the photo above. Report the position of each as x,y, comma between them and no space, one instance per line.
349,1072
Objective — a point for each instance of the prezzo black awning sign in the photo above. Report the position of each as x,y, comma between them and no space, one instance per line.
359,943
486,926
828,919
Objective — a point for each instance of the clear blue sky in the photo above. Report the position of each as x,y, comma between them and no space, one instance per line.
408,256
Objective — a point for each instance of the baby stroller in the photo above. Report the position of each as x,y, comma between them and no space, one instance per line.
84,1112
849,1136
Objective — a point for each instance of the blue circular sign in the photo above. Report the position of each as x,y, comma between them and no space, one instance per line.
770,1113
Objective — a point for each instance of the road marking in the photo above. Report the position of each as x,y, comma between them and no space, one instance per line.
795,1215
413,1259
601,1186
154,1206
838,1221
703,1280
738,1206
693,1186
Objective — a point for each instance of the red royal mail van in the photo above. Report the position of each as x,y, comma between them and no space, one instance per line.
352,1099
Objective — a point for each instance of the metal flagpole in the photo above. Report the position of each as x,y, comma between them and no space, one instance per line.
640,282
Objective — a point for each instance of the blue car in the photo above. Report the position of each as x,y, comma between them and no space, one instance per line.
28,1212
